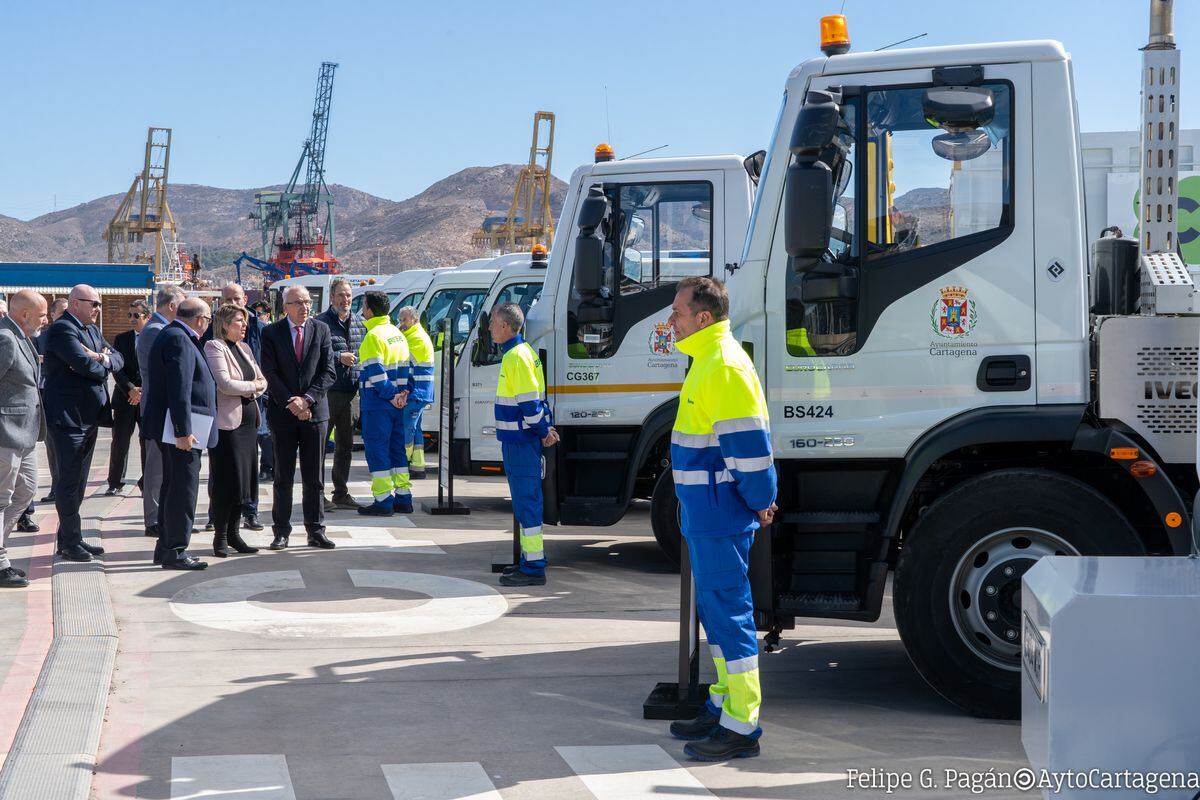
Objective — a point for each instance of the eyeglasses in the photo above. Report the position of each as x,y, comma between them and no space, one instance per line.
92,303
298,303
206,319
136,316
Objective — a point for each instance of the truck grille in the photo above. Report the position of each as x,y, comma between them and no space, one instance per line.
1172,361
1179,419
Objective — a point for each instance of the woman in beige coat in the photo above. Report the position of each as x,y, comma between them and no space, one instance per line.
233,468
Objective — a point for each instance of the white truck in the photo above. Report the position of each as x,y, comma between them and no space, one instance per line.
475,450
318,289
955,387
613,384
394,286
458,295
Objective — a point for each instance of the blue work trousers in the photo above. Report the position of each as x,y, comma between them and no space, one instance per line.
523,467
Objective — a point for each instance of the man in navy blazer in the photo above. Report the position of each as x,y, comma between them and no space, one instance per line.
180,382
77,365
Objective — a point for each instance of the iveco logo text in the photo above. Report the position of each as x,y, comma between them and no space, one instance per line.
1171,390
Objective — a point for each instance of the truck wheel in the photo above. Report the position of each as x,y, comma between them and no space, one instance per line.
664,516
957,592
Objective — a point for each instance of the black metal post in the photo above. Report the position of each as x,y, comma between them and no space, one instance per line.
445,502
685,698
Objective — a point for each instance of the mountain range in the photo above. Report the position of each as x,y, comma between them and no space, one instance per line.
429,230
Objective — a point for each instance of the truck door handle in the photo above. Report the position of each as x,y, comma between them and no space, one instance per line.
1004,374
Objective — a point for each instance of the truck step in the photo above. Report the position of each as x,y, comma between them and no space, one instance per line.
820,582
810,602
830,521
825,561
854,541
589,499
598,456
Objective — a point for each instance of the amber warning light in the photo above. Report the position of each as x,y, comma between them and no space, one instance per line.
835,36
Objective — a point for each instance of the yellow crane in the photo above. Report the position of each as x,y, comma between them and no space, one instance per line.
529,220
144,211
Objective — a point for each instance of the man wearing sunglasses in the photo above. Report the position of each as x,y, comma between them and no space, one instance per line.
127,397
78,364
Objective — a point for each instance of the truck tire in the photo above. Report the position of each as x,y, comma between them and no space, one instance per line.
664,516
957,589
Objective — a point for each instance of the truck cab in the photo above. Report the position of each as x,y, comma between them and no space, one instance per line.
456,295
475,449
396,287
629,232
318,289
914,292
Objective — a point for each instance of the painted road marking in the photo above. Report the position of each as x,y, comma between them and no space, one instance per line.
631,772
464,780
454,604
231,778
369,536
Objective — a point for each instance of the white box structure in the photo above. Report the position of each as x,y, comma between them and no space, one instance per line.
1111,669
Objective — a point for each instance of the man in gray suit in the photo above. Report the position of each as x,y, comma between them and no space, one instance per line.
21,421
166,303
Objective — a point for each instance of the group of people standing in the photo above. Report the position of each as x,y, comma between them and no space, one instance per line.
190,379
199,388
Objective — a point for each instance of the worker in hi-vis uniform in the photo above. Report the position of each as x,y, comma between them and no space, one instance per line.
420,388
725,481
383,392
523,426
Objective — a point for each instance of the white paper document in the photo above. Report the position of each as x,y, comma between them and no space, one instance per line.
201,427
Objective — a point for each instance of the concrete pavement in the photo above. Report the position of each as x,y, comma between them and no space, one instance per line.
395,667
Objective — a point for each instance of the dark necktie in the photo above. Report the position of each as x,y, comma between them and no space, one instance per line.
299,343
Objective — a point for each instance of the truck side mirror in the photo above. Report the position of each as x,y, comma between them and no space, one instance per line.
589,246
808,188
483,341
589,265
807,209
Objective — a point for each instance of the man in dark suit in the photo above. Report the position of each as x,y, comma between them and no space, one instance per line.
297,360
58,307
126,400
78,363
166,304
179,382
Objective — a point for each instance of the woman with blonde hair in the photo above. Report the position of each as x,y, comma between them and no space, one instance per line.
233,471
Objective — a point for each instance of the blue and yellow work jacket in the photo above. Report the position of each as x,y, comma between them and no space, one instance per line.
522,413
721,442
420,361
382,363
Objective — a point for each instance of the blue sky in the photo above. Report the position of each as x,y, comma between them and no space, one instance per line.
425,89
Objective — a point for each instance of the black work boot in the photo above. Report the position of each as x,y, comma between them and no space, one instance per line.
722,745
695,729
221,546
519,578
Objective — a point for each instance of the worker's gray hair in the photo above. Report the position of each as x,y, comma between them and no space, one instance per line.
295,287
336,282
168,293
407,312
511,315
141,306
